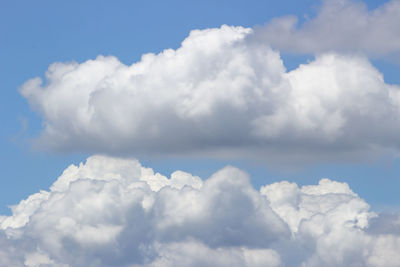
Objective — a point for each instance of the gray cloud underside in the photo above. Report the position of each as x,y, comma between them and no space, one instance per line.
344,25
222,93
115,212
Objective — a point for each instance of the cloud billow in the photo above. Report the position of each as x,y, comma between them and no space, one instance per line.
221,94
111,211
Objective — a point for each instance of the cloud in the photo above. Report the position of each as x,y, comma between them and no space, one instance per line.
220,94
345,26
111,211
196,254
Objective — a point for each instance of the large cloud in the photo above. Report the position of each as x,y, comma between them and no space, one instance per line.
340,25
112,211
222,94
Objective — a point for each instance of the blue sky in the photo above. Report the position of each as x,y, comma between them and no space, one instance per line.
199,133
35,34
44,32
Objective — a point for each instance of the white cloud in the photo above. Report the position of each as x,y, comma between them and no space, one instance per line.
112,211
344,25
197,254
219,94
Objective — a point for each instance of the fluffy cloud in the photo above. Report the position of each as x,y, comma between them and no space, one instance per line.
345,25
112,211
221,94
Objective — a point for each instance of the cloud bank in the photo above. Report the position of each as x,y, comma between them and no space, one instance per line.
112,211
222,94
345,25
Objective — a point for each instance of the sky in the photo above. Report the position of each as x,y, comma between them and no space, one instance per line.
155,115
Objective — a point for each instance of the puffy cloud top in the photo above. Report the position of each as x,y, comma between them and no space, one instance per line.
112,211
223,94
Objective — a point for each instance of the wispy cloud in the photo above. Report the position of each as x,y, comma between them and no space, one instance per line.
341,26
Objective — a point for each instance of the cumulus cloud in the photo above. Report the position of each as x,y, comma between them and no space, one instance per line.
344,25
111,211
221,94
